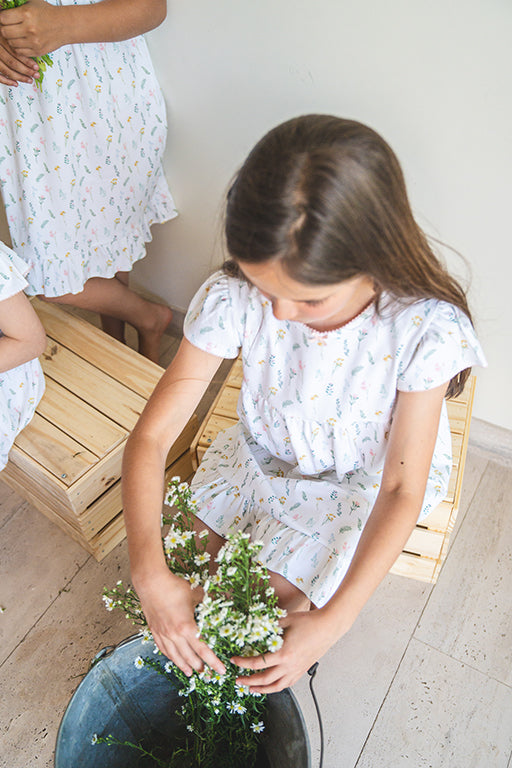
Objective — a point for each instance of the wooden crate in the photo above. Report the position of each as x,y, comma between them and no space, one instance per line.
67,461
427,546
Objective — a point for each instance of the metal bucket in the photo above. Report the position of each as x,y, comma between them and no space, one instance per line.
116,698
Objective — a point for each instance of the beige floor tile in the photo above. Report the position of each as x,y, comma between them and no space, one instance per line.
39,677
440,713
469,615
354,676
37,560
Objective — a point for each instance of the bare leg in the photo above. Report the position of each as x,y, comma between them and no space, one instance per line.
111,297
289,597
112,325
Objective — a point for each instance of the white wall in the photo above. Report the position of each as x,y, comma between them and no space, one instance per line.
434,78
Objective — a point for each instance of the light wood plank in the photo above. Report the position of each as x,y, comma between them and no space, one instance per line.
79,420
105,540
92,385
102,351
51,448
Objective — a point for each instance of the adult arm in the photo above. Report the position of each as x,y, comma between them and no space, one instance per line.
23,336
308,635
167,600
37,27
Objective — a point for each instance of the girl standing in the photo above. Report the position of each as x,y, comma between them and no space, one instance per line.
81,159
352,335
22,339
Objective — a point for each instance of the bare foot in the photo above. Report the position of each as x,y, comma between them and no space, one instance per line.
151,335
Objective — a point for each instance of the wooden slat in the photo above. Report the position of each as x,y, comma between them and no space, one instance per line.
34,483
53,449
105,353
414,567
215,425
93,386
236,374
79,420
114,532
107,506
227,402
425,543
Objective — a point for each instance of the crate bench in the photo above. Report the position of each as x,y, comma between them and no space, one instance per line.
427,546
67,461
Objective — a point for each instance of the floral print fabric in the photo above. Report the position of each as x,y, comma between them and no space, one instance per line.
21,388
81,164
302,468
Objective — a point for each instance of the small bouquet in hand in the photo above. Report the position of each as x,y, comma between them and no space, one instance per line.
43,61
238,616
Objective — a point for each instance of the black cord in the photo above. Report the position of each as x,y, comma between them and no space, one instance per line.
312,672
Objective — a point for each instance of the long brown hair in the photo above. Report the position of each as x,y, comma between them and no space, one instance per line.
326,196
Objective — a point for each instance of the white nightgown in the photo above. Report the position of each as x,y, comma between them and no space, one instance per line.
81,164
21,388
302,468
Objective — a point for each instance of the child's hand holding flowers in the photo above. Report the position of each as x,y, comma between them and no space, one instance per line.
28,31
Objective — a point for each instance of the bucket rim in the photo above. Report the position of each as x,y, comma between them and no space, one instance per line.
106,652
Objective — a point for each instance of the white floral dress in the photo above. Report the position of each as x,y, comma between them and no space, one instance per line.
22,387
302,468
81,164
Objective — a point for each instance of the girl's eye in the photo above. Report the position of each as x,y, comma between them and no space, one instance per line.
314,302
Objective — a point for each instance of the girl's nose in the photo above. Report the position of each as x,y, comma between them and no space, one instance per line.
284,309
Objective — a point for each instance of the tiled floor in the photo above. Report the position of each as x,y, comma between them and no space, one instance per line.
423,680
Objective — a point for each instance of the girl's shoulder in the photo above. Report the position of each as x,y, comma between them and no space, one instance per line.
12,272
217,316
421,316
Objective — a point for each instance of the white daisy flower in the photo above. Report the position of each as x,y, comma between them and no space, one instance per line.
258,727
274,643
194,580
201,558
168,666
139,662
94,739
109,603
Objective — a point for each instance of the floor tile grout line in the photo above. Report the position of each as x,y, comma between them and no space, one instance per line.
450,545
464,663
413,634
384,698
50,604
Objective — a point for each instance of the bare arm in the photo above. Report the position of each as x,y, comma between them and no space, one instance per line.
23,335
309,635
167,600
37,27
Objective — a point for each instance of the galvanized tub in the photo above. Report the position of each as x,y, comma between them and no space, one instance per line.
116,698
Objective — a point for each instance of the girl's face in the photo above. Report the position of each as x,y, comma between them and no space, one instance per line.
322,307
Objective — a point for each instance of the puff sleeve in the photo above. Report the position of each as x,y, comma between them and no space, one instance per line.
445,345
216,316
12,271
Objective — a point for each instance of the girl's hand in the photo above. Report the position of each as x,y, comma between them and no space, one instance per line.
32,29
15,68
168,605
308,635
